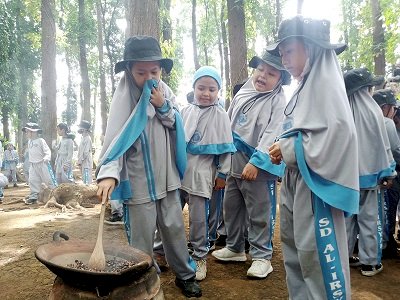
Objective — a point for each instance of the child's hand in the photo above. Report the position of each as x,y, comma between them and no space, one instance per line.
386,183
104,189
157,97
250,172
219,184
275,153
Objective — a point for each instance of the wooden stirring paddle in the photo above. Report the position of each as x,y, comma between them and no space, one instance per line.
97,259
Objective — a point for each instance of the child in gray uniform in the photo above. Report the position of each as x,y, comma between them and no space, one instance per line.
387,101
376,165
256,115
65,152
320,151
209,147
85,160
144,157
10,164
39,158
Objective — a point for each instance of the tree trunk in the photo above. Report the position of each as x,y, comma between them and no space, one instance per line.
49,75
23,109
100,43
278,17
220,51
226,57
237,41
194,36
85,84
107,41
299,6
378,39
143,18
166,32
71,112
5,118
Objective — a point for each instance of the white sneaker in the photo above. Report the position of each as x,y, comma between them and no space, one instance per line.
225,254
201,269
260,268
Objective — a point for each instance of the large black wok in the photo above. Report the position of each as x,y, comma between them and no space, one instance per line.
62,252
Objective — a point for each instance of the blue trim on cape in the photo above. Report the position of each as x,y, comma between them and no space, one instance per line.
257,158
135,127
262,161
122,191
132,132
241,145
334,194
372,180
221,175
212,149
164,108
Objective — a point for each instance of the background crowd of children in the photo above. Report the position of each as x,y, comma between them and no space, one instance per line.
36,166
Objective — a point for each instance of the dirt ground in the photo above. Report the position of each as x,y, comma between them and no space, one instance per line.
23,228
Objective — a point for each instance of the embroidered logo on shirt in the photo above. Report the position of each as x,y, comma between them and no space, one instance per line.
196,137
242,119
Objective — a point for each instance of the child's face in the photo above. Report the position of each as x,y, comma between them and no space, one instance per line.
206,91
60,131
294,56
29,134
145,70
265,77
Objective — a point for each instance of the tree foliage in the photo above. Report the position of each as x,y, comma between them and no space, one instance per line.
357,32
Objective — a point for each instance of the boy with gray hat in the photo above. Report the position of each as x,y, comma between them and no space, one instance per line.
387,101
320,183
40,170
144,157
376,166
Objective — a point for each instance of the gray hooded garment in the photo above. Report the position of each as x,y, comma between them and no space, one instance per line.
256,121
323,117
133,166
209,147
375,156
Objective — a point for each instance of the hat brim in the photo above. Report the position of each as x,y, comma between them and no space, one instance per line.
339,48
24,129
81,129
378,80
165,63
255,61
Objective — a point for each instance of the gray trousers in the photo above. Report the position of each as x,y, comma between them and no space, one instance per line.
116,207
216,223
252,203
366,225
165,215
199,208
39,173
304,276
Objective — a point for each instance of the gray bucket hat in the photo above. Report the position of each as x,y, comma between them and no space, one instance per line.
32,127
274,61
385,96
143,48
84,125
358,78
315,31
